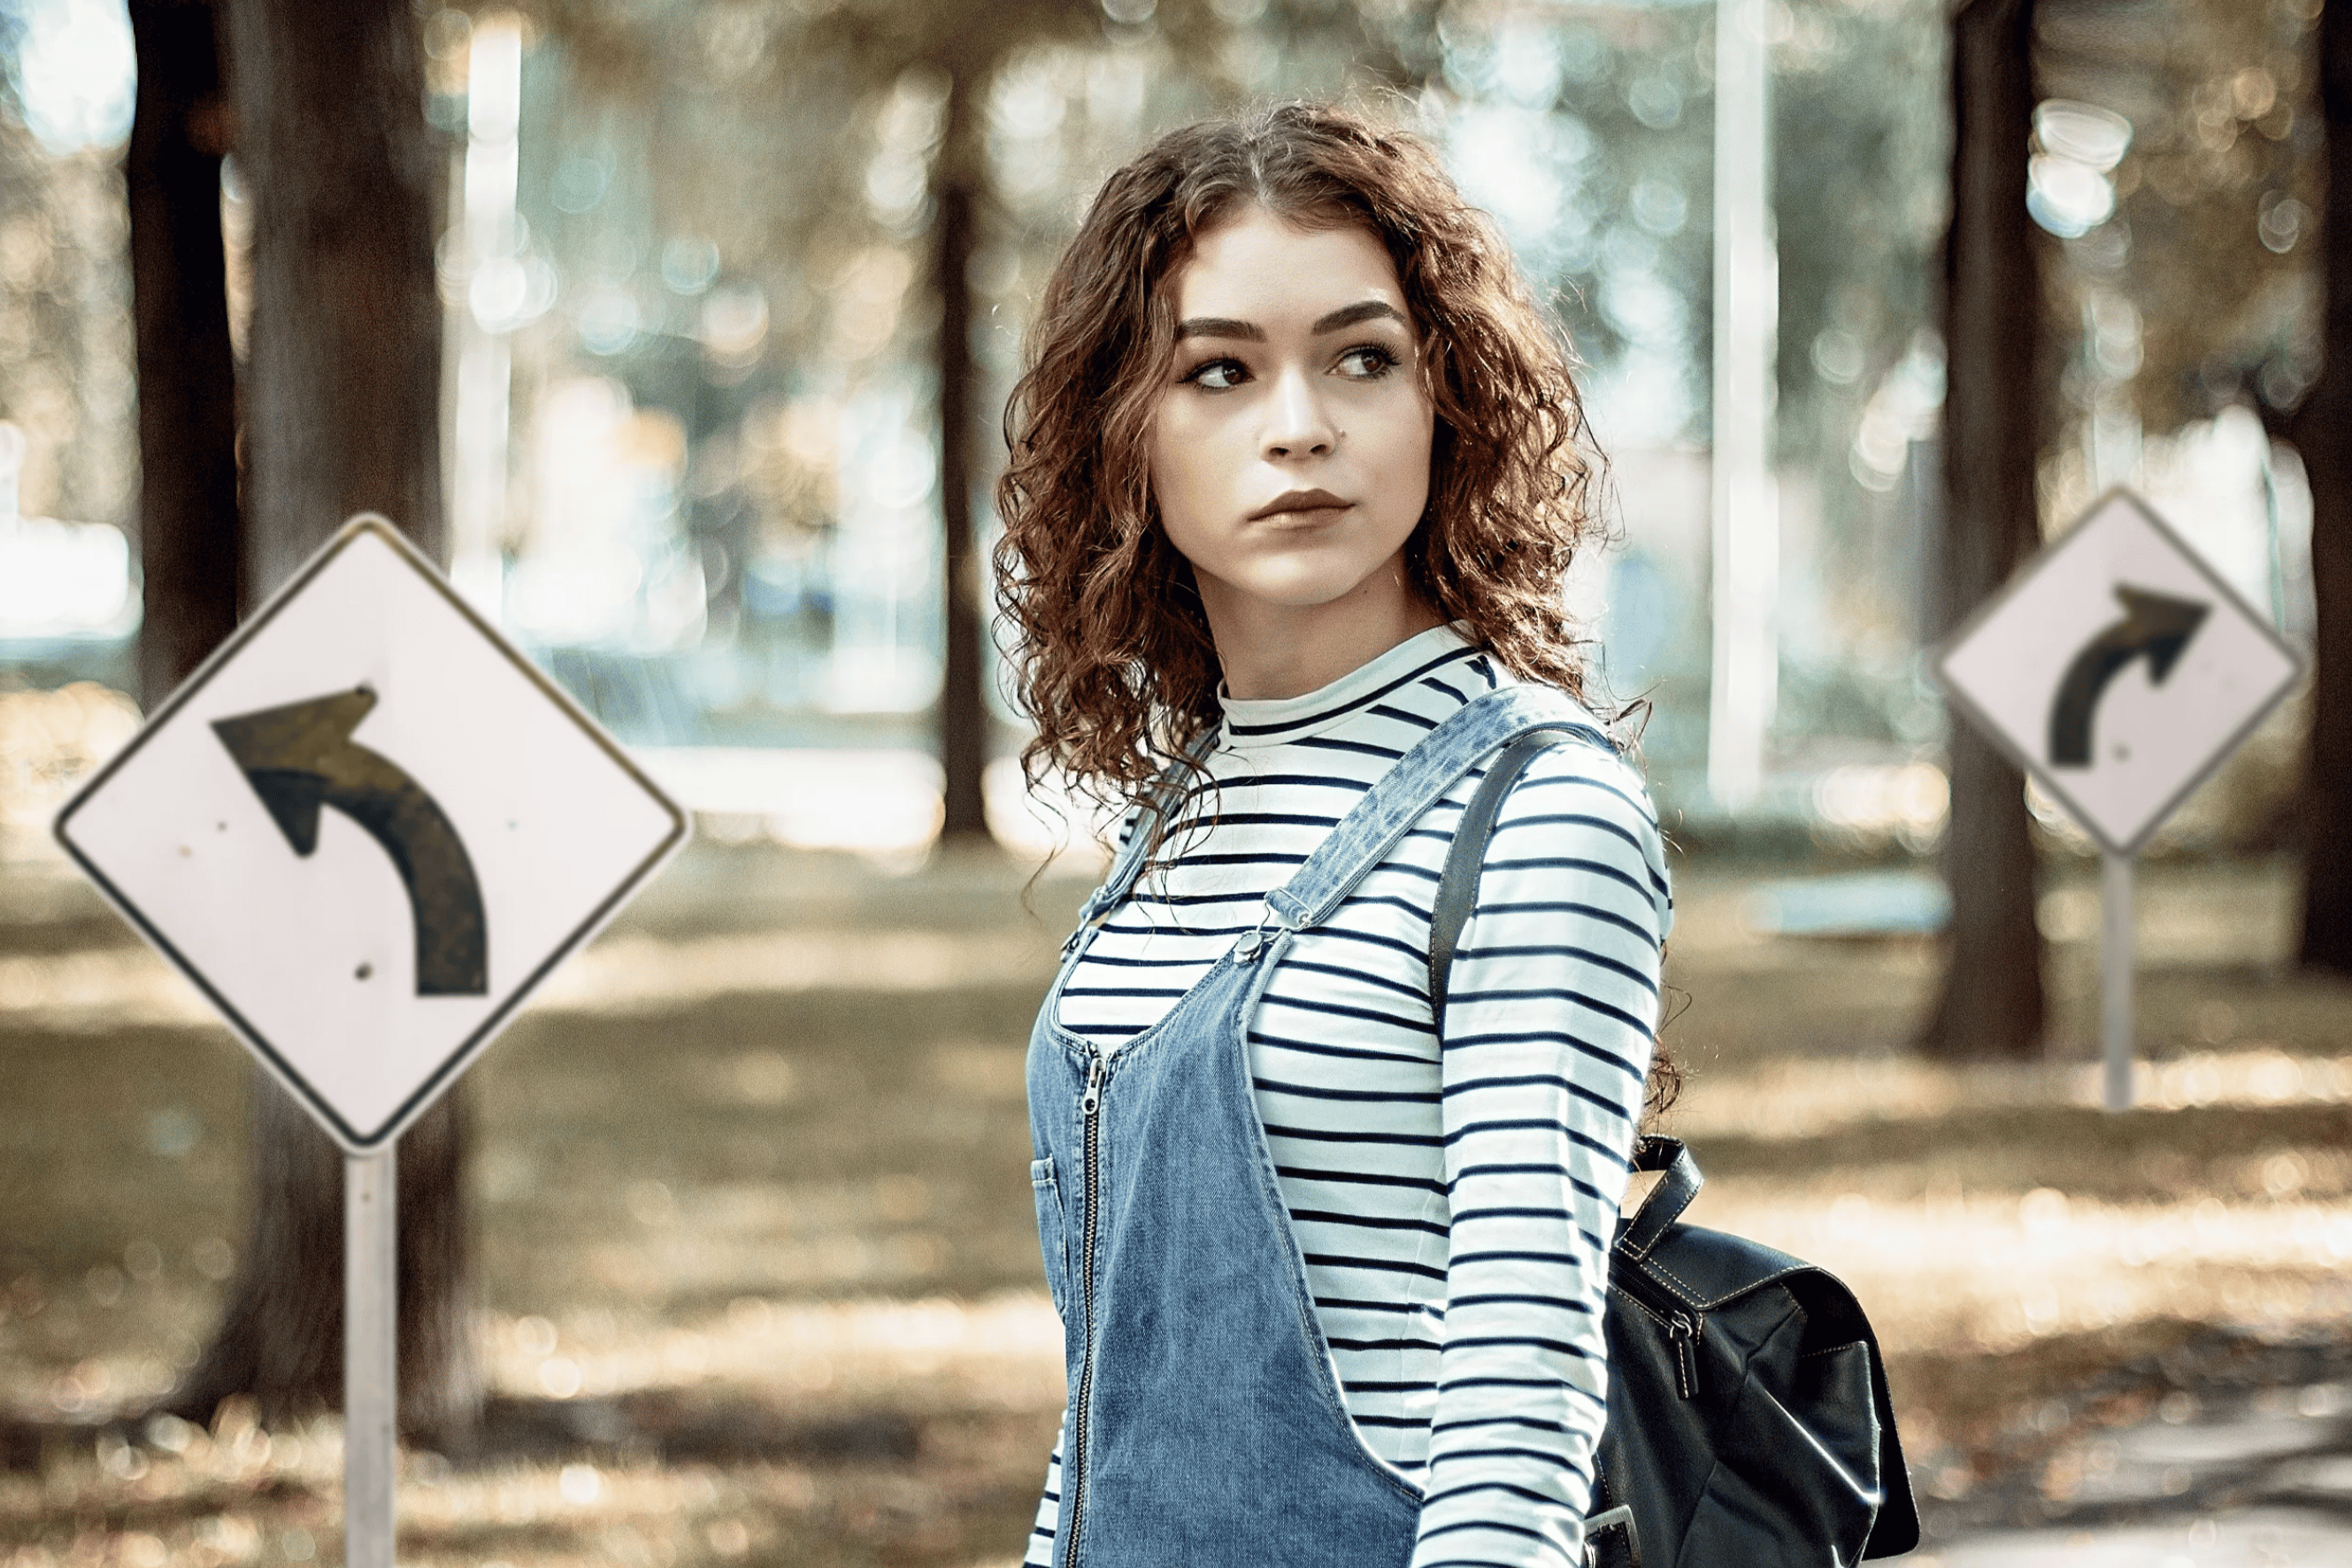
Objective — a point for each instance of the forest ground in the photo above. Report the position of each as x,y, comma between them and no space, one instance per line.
758,1264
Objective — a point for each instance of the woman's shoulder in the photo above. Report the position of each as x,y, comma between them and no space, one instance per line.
1582,798
1584,771
1594,747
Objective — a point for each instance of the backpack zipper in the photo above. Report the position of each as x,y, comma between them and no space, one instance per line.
1682,1327
1681,1332
1090,1111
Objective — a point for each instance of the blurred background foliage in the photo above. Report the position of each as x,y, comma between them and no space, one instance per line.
715,512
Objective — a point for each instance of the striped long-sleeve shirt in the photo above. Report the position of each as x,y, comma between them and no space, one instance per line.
1453,1197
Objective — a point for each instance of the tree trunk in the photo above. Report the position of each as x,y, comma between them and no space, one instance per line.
1990,1004
964,704
2319,432
343,416
345,358
279,1341
187,387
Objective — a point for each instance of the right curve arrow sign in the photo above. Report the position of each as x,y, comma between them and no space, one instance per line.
2156,625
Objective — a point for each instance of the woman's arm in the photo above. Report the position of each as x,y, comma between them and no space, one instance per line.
1546,1041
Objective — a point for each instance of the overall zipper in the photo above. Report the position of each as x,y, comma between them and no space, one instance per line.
1090,1111
1074,1463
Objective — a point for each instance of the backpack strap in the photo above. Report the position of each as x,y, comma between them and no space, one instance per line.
1458,889
1667,1200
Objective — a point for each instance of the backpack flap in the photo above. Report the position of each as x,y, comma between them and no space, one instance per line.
1836,1319
1751,1422
1836,1325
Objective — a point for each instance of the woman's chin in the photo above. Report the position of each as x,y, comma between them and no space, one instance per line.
1298,586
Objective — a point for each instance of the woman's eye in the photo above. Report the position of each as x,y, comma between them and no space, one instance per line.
1367,361
1218,374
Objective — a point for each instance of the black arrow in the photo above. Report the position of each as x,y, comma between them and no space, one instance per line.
2153,624
301,757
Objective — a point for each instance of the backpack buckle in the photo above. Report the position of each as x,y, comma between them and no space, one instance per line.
1618,1519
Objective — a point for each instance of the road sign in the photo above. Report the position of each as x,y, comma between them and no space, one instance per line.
367,828
2119,670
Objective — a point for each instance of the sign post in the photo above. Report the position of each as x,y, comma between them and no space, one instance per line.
2119,670
370,1354
2116,976
367,828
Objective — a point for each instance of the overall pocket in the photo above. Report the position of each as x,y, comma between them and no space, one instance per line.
1053,1244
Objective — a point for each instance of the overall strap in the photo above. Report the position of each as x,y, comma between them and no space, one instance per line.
1417,782
1158,809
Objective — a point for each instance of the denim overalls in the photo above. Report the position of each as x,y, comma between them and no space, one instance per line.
1205,1427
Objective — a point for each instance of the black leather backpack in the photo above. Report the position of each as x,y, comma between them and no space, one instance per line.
1749,1419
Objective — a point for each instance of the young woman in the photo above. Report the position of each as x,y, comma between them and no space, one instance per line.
1296,470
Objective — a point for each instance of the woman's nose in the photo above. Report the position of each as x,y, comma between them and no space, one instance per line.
1298,425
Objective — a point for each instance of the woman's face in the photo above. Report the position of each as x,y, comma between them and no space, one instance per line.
1289,454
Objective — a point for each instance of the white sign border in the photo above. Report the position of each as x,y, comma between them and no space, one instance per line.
2033,764
353,1141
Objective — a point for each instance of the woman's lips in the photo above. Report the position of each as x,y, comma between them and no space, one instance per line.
1299,501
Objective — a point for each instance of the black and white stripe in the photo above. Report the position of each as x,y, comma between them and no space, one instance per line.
1451,1201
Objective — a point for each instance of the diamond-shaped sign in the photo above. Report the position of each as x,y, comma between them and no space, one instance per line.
367,828
2119,669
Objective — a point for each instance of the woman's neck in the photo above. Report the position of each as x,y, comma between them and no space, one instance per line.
1272,651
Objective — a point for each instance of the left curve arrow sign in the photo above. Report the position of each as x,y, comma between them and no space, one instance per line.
301,758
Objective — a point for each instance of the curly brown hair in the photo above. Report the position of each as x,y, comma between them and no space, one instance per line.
1116,665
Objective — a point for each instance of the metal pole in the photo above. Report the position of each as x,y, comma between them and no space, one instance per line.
496,287
2116,975
371,1372
1747,524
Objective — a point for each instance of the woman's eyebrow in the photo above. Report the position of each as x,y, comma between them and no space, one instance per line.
1362,310
1345,316
1219,326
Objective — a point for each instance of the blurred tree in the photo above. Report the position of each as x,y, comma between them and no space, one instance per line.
1589,137
938,57
67,356
1990,1002
1861,190
959,46
849,160
2212,201
2318,428
341,415
187,419
2238,292
957,192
